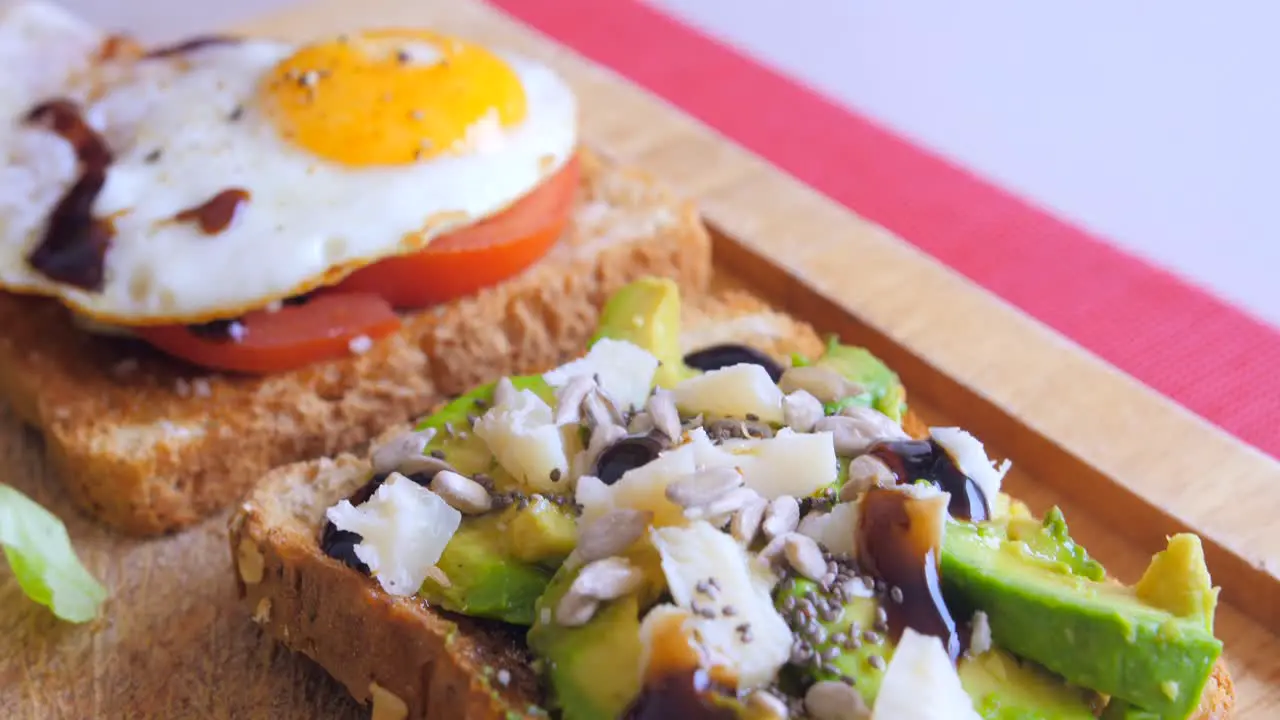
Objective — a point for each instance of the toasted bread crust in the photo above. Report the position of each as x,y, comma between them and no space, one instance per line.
148,444
361,636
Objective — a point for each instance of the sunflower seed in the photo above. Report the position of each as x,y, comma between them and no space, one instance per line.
462,493
834,700
662,408
773,551
719,511
768,704
607,579
435,573
574,610
389,456
612,533
569,399
865,472
804,555
827,386
782,516
854,434
703,487
800,410
641,424
598,411
745,524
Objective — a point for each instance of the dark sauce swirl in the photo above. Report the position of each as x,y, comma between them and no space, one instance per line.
191,45
679,694
729,354
74,246
674,685
912,460
901,545
215,214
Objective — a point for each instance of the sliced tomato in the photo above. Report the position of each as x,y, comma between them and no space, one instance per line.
323,328
477,256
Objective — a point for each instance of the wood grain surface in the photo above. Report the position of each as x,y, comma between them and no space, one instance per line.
1127,466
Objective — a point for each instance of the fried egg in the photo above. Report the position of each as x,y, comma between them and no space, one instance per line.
247,171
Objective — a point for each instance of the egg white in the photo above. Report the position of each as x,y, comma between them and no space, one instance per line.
187,128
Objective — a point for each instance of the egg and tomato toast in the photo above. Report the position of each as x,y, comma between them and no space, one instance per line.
227,254
716,520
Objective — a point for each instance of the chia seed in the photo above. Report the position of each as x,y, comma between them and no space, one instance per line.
729,610
437,454
876,662
871,636
895,594
556,475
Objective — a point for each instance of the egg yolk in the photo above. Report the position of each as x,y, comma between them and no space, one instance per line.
392,97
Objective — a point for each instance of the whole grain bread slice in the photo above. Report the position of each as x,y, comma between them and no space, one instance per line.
149,444
411,661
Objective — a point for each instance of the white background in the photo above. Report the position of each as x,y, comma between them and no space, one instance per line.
1154,123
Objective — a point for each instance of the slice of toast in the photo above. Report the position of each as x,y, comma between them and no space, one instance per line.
411,661
149,444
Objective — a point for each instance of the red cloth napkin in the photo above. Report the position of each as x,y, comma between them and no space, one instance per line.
1209,356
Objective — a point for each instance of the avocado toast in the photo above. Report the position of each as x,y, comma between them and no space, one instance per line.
679,526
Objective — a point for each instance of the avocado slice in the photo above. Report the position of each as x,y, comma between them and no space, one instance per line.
1004,688
1097,635
485,581
593,670
1177,580
1049,542
541,532
497,564
646,312
884,390
842,635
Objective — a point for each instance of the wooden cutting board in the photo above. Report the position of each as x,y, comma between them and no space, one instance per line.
1127,466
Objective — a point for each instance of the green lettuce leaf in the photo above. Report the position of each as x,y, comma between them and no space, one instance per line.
38,549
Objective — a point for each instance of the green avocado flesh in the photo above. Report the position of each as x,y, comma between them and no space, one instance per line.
593,670
1001,687
885,391
647,314
1096,635
858,615
499,564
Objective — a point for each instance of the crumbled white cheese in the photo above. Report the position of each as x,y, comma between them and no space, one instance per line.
972,459
404,529
837,530
360,344
736,391
707,571
789,463
921,684
795,464
525,440
625,371
182,387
